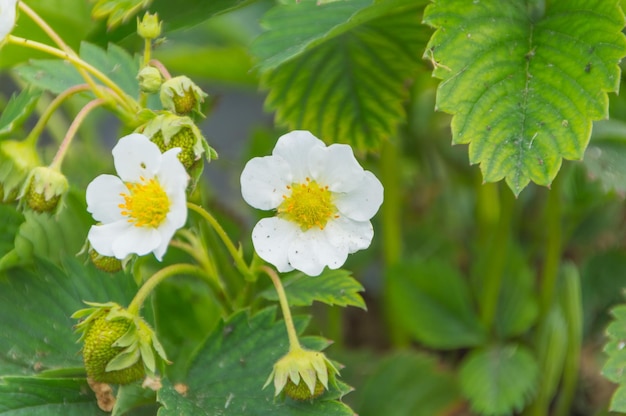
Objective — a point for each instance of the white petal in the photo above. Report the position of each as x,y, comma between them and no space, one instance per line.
264,181
101,237
294,148
7,17
136,156
336,167
362,202
103,198
272,238
312,251
166,230
137,240
172,175
178,210
353,235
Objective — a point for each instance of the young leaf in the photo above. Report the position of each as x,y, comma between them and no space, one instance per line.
332,287
17,110
35,396
228,374
52,293
407,383
340,69
524,84
433,303
499,379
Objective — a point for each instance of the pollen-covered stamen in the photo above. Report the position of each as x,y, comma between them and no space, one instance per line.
146,204
309,205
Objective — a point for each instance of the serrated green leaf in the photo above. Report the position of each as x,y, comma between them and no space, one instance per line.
407,383
332,287
30,344
57,76
524,85
17,110
498,380
228,374
117,11
605,158
340,69
432,301
34,396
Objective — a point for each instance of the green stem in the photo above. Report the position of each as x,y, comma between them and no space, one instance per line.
150,284
294,342
234,252
71,132
498,254
553,246
54,105
128,103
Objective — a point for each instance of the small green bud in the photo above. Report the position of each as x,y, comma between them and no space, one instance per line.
301,392
17,159
181,95
44,188
107,264
150,80
149,27
119,347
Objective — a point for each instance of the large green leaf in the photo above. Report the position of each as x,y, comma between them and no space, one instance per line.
35,309
432,301
228,374
34,396
341,69
498,380
524,83
333,287
407,383
56,75
17,110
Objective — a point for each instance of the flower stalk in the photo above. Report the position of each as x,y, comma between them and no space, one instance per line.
294,342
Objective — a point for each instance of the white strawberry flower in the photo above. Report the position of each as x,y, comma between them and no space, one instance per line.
139,211
324,202
7,17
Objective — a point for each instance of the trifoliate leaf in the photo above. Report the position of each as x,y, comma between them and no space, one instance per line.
117,11
34,396
498,380
228,374
332,287
17,110
524,83
341,69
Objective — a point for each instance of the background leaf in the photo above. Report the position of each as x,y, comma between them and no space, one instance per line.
117,11
229,372
17,110
349,90
525,84
332,287
433,303
34,396
605,158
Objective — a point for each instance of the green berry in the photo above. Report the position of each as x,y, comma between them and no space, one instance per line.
301,391
185,139
105,263
98,351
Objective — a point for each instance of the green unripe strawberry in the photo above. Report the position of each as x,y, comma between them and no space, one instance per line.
98,351
185,139
301,391
45,188
107,264
182,96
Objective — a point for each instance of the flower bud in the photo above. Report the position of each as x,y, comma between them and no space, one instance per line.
302,374
181,95
44,188
118,347
150,79
17,159
149,27
168,131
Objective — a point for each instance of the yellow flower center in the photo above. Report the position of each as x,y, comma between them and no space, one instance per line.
146,204
308,205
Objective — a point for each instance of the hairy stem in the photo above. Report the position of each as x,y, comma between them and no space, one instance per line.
294,343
